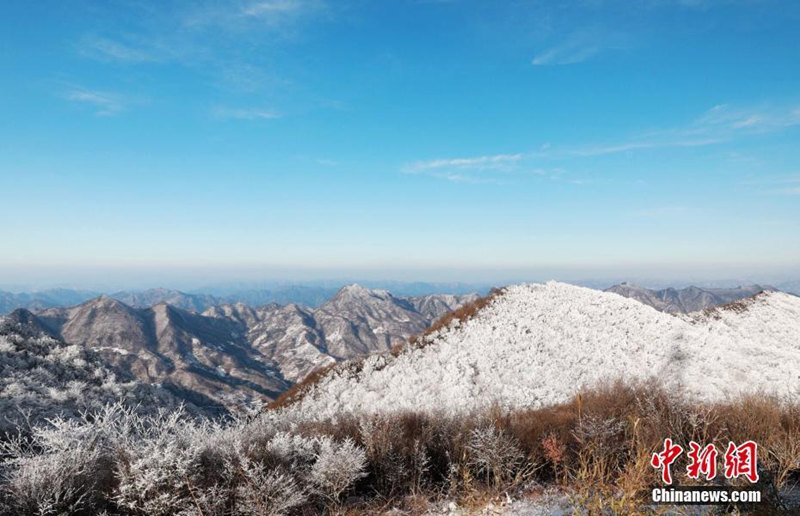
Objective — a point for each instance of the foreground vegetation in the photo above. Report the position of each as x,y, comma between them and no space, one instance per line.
596,447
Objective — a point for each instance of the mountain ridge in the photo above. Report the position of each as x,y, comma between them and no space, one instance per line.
550,340
689,299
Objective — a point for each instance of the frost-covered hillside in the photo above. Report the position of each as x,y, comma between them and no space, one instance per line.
539,344
41,377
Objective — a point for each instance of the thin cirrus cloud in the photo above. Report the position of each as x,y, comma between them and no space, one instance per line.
245,114
203,38
174,37
763,119
489,162
476,169
569,53
494,168
720,124
580,46
781,186
105,49
269,8
103,103
264,14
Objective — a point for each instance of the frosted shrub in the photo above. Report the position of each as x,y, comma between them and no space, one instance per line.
262,492
494,454
154,468
48,484
155,480
338,466
396,448
58,470
295,452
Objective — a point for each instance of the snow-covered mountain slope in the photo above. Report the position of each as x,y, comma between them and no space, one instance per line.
538,344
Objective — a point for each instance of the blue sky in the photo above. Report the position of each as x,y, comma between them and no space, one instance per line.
399,139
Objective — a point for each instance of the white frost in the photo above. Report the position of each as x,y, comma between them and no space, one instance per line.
539,344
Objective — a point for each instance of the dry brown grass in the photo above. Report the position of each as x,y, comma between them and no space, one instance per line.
738,306
597,446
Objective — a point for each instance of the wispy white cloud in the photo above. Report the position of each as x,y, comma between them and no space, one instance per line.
105,49
720,124
245,114
578,47
724,117
277,15
568,53
103,103
614,148
493,168
231,44
781,185
490,162
270,8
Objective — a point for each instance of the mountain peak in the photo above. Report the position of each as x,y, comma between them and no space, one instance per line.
355,288
356,291
105,302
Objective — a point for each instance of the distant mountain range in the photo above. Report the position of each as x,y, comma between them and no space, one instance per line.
229,355
689,299
197,302
310,296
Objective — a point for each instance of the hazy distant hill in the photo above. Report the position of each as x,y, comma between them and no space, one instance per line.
40,300
311,296
792,287
686,300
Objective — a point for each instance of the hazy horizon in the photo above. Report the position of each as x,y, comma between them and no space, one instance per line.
228,279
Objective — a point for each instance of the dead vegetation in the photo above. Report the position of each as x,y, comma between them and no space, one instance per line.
739,306
596,446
